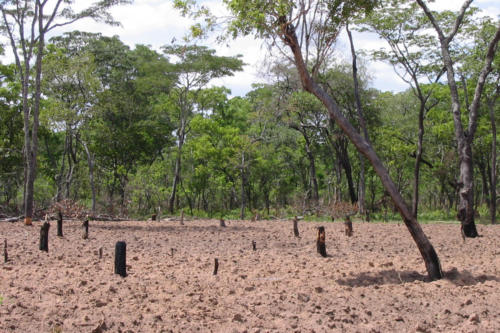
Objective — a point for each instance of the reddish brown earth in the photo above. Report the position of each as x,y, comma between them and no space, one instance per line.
374,281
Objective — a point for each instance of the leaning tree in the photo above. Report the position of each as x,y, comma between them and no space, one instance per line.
305,32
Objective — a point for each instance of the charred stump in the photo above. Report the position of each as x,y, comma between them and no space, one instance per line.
100,253
320,242
44,237
121,259
222,223
216,266
296,227
5,254
153,217
59,224
85,226
254,245
348,226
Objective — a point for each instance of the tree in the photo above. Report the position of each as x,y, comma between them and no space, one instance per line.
482,31
131,125
69,79
412,53
11,139
196,66
464,137
26,25
308,29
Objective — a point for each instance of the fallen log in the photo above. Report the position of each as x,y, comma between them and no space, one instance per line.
13,219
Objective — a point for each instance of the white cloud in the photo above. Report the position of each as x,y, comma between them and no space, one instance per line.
157,23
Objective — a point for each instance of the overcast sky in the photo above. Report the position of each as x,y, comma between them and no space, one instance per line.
156,23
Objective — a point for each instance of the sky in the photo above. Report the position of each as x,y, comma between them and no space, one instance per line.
156,23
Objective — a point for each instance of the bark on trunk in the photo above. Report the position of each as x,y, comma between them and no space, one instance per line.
493,181
312,170
418,159
59,224
121,259
177,171
44,237
5,253
426,249
33,152
243,183
90,162
343,156
321,242
296,227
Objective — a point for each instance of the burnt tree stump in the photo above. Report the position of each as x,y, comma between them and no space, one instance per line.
296,227
44,237
121,259
59,224
100,253
320,242
222,223
85,226
254,245
348,226
5,254
216,266
153,217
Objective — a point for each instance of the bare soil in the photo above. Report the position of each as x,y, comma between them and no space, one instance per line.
374,281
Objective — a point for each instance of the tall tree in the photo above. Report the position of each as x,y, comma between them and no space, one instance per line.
413,54
308,29
26,24
464,137
196,66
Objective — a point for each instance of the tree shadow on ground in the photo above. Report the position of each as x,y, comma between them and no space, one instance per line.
364,279
466,278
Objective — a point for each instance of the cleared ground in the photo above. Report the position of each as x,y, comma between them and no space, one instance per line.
374,281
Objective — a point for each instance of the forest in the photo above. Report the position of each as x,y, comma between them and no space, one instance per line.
132,131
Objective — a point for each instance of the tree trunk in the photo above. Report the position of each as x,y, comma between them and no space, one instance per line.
121,259
426,249
343,156
493,181
177,170
90,162
466,191
5,253
85,225
321,242
243,181
59,224
216,266
418,159
44,237
362,123
296,227
362,186
33,152
348,226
